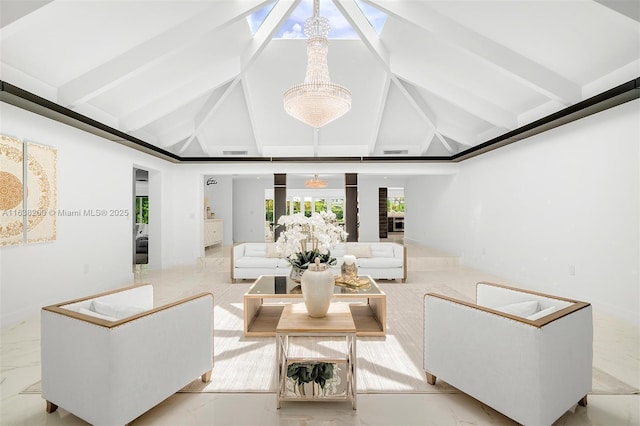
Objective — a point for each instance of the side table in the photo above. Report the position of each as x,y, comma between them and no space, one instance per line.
296,322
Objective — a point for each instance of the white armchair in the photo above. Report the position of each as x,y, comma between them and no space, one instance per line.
530,369
109,371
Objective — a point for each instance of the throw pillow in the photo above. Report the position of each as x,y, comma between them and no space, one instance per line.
382,250
522,309
95,314
359,250
115,311
542,313
272,250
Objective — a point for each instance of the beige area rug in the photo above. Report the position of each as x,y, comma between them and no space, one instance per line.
391,364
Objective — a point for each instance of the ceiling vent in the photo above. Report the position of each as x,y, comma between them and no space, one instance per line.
396,152
235,152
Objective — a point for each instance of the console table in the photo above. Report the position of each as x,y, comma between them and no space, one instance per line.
213,231
368,305
295,322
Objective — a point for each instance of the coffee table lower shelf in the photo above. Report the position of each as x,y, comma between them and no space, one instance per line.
266,317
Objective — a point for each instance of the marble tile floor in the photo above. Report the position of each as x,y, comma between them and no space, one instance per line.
616,352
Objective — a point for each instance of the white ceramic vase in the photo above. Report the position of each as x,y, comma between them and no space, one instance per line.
317,285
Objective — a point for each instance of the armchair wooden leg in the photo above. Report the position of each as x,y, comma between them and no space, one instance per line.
206,377
431,379
583,401
51,407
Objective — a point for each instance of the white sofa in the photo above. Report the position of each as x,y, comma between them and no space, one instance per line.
110,372
531,370
380,260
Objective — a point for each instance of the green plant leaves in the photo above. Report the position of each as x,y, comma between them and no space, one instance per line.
303,259
318,372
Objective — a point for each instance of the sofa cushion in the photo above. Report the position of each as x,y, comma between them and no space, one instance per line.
255,250
359,250
257,262
95,314
272,250
382,250
521,309
379,262
115,311
542,313
338,251
283,263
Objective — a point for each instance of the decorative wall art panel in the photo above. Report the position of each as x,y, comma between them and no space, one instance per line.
27,212
11,191
41,194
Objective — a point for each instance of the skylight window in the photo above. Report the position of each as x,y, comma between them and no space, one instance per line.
293,26
257,18
375,17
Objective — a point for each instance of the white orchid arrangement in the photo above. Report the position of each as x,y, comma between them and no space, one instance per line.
306,238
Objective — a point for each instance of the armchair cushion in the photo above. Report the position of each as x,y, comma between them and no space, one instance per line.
542,313
114,311
95,314
521,309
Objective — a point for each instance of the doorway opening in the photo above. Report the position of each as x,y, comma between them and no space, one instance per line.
141,217
391,213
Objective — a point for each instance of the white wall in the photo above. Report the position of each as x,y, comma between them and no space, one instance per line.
90,254
368,203
557,212
248,209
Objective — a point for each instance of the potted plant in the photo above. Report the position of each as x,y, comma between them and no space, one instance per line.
321,373
306,238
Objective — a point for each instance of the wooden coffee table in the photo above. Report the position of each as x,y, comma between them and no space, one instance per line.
368,305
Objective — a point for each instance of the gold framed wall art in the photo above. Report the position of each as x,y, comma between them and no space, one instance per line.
28,192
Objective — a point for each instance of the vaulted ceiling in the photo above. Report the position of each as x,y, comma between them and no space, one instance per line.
439,77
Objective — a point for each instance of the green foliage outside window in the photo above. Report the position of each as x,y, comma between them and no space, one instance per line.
338,209
142,209
395,204
268,209
321,205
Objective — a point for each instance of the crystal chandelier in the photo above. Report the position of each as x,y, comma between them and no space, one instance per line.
315,183
317,101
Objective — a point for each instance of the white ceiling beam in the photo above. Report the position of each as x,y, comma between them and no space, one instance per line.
148,54
269,27
513,64
489,134
384,95
11,11
628,8
352,13
458,134
427,141
249,104
453,94
424,113
176,134
261,38
211,105
205,81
